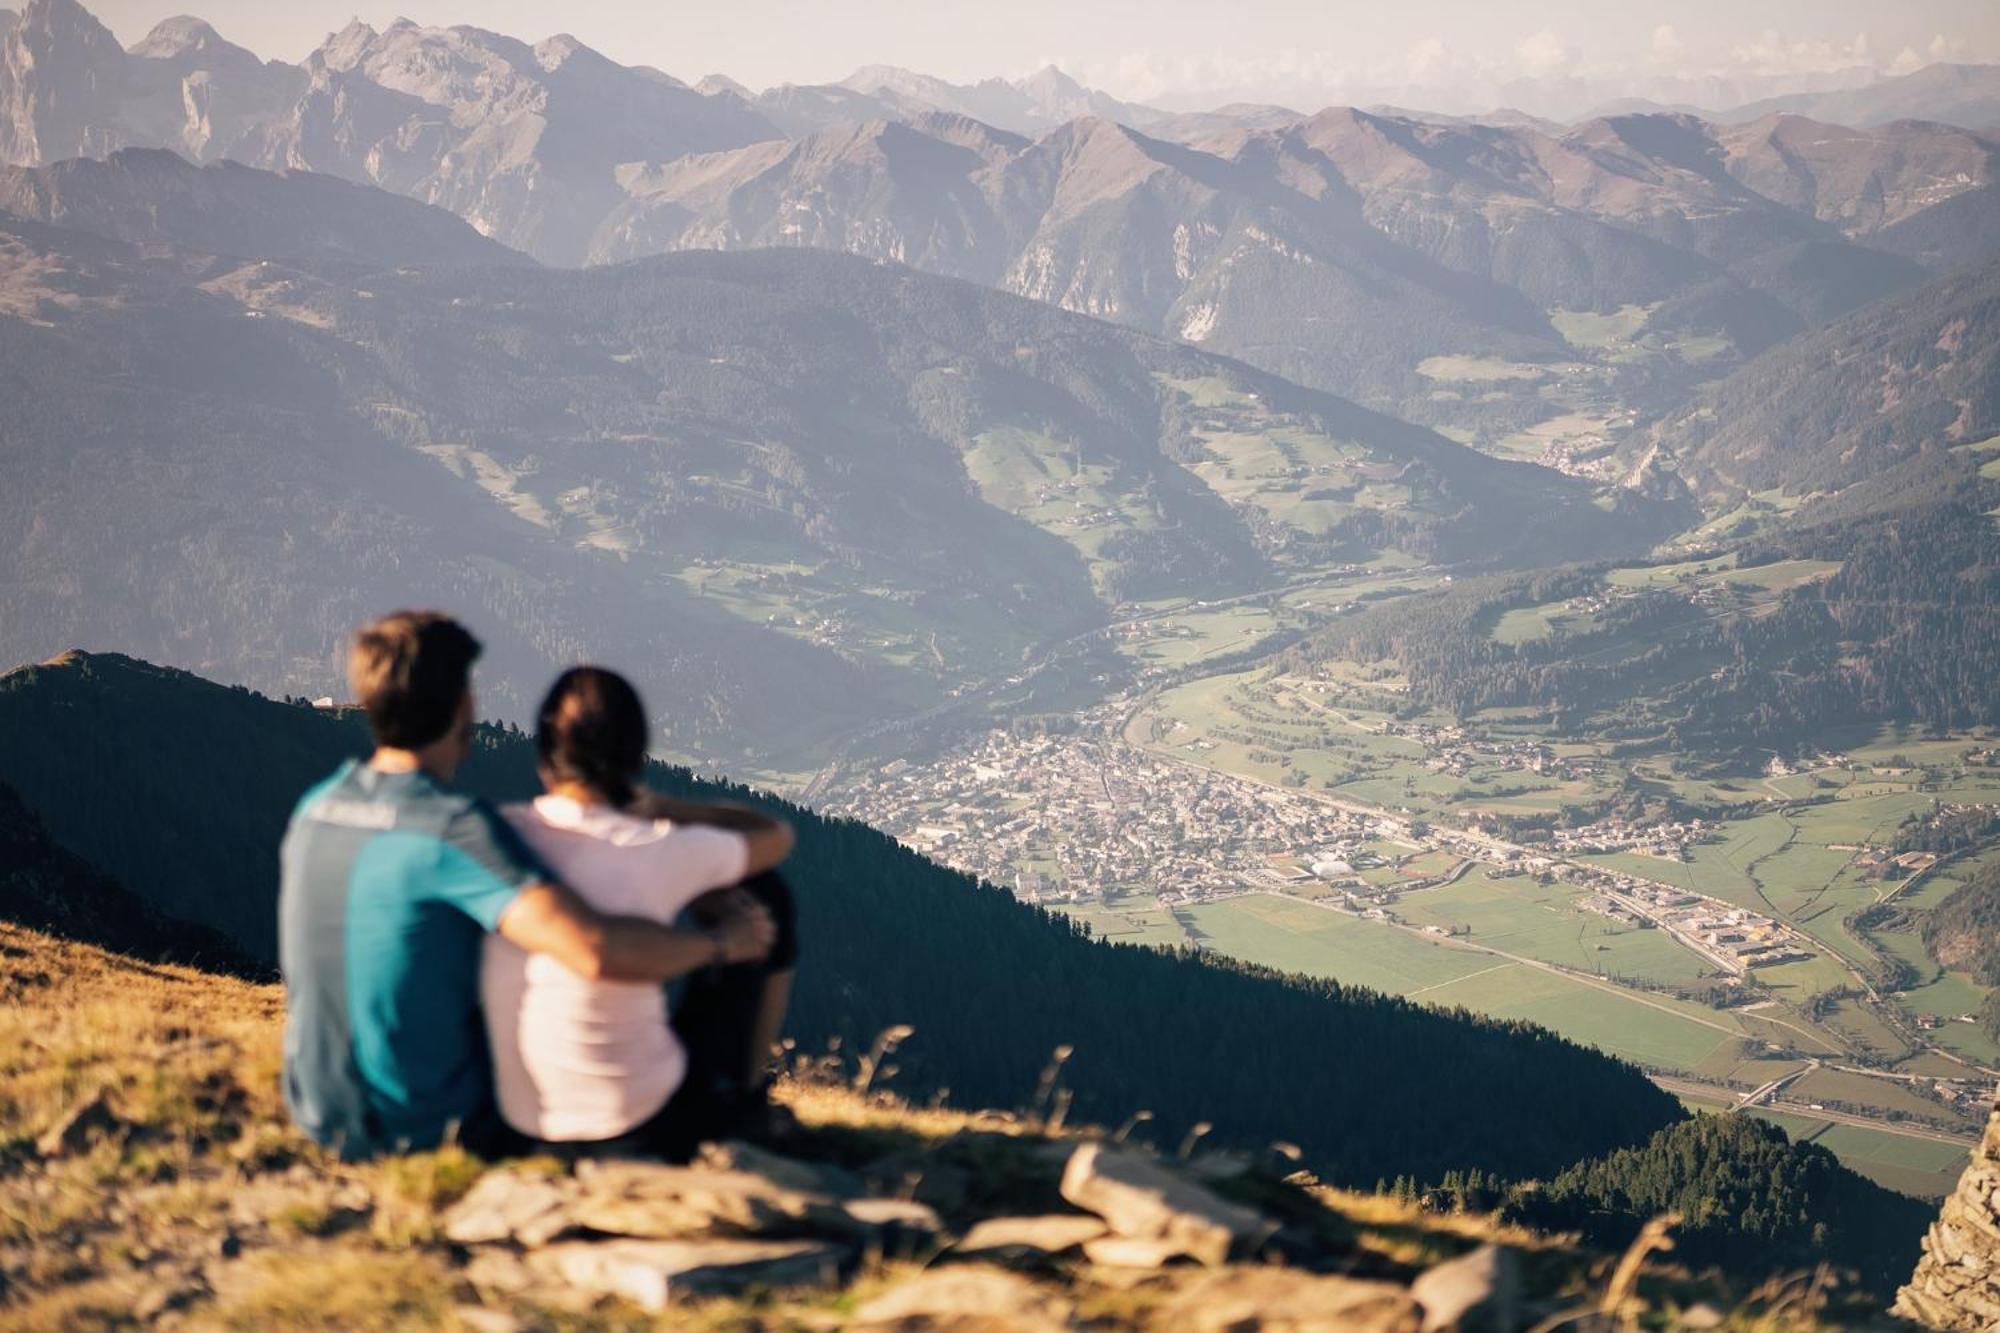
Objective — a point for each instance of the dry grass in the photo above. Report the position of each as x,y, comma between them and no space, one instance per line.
202,1199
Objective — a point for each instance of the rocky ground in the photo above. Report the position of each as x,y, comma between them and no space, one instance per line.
147,1177
1957,1282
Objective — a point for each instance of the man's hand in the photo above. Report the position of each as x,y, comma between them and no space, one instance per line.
770,839
745,933
549,919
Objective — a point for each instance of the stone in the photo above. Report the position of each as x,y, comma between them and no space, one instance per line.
479,1319
1140,1199
510,1205
1956,1285
663,1202
965,1299
790,1172
1247,1298
893,1223
1006,1238
90,1119
1132,1251
498,1272
653,1274
1473,1293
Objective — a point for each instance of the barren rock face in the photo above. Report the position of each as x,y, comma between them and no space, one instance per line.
1957,1282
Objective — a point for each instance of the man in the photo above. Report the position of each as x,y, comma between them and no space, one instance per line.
390,882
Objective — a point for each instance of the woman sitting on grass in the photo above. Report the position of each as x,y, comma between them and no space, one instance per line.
590,1064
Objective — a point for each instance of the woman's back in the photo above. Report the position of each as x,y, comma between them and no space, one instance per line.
577,1059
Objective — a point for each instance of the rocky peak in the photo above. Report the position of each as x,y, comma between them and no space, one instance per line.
347,48
715,84
181,35
558,51
1957,1283
59,68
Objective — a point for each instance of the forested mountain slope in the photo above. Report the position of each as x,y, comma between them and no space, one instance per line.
834,488
1915,375
179,789
1886,609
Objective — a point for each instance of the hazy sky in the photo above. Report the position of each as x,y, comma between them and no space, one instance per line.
1171,49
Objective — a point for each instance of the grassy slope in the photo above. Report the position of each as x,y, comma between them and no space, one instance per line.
206,1194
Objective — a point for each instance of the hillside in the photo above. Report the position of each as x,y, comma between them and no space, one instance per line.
1913,376
1742,1190
816,493
203,777
1967,95
160,1083
1770,647
155,197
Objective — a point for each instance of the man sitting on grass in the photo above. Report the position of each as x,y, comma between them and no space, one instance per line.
390,882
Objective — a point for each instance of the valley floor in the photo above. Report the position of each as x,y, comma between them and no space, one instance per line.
1310,824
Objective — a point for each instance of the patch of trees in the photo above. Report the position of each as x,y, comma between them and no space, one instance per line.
1947,832
1752,1203
180,789
1963,932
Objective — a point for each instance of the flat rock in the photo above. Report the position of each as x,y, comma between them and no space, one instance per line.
510,1205
1132,1251
653,1201
1139,1198
1479,1291
790,1172
653,1274
966,1299
1052,1234
1287,1300
904,1217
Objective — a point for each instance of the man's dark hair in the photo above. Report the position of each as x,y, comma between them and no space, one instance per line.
409,670
592,730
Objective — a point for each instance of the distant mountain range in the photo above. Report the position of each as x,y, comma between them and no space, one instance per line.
1341,249
808,491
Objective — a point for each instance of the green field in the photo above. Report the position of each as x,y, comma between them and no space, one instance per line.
1298,937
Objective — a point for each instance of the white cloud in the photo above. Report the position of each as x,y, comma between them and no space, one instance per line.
1544,53
1947,48
1773,53
1667,46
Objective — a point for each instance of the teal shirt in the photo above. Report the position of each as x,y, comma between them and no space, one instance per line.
389,884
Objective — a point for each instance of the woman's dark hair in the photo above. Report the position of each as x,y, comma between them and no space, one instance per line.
592,730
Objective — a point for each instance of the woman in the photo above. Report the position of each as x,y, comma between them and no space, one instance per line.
582,1062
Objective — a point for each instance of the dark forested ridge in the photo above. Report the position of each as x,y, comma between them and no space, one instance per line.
1751,1203
48,888
179,789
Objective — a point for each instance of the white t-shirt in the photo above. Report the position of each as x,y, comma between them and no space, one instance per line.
577,1060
